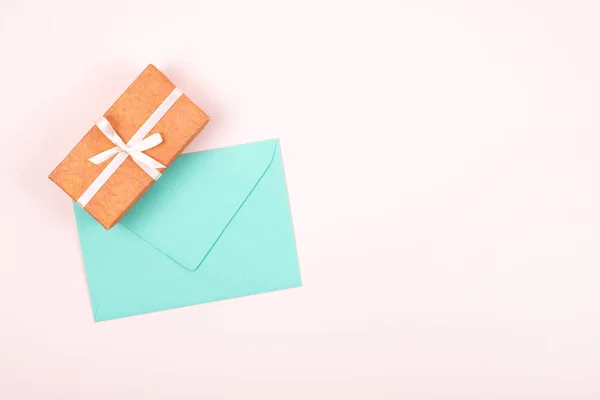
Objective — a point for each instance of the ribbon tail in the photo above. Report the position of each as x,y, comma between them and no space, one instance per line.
145,159
153,172
105,155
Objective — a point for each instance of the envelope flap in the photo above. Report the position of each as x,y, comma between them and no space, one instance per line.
218,184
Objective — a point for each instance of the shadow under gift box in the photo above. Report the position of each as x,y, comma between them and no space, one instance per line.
181,123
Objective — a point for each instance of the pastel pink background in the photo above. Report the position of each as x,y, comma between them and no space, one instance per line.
443,171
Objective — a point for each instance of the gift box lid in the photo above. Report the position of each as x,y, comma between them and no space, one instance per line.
120,157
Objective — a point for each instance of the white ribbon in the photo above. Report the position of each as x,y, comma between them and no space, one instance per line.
134,148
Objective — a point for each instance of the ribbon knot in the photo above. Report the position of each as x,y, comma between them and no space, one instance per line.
126,148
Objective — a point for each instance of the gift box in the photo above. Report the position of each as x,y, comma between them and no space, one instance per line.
124,153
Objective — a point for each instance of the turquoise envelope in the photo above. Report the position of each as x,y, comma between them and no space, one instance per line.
216,225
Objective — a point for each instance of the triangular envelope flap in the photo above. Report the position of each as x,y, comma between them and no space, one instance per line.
185,212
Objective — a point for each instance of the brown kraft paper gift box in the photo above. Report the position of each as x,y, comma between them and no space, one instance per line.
181,123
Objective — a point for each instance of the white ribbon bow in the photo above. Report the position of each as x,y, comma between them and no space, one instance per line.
134,148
